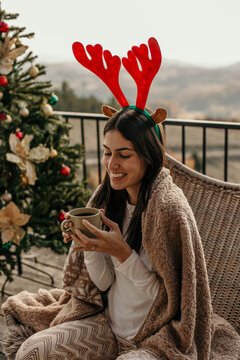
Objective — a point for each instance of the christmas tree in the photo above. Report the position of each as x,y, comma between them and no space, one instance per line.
37,164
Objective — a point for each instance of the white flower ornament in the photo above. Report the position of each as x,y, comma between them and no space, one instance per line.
24,157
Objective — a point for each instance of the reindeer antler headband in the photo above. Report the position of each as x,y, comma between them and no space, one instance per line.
110,74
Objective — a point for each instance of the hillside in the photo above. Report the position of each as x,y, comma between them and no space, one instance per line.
186,91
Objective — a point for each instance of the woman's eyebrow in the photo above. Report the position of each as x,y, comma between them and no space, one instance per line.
119,149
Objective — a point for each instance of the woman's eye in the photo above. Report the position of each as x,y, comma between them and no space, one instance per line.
121,155
125,156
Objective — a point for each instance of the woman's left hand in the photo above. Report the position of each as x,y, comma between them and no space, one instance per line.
108,242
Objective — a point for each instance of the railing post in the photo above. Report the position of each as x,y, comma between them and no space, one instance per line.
204,151
183,144
226,155
83,143
98,153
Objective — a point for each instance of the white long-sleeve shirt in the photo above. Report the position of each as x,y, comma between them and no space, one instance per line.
133,286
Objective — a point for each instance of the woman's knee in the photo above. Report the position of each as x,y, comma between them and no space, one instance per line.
89,338
33,347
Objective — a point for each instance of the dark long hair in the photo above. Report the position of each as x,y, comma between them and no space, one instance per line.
135,127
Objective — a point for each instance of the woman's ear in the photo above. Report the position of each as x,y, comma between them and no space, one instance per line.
159,115
108,110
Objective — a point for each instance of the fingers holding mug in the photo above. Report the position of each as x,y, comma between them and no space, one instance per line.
66,226
66,238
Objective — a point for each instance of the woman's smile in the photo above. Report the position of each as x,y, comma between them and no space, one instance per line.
117,176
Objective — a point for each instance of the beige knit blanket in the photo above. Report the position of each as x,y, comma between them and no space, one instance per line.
180,324
46,308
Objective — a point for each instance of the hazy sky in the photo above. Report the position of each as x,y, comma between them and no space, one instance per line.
201,32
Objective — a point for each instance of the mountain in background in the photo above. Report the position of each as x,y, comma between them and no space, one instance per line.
186,91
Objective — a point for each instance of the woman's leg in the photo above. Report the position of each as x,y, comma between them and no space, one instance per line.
136,355
84,339
14,336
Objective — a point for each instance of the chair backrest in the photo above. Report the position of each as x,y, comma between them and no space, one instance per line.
216,206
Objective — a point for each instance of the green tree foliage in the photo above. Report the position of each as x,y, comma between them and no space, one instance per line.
37,164
68,101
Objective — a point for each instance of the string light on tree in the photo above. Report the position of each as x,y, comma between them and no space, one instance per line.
1,95
33,71
7,176
65,170
3,80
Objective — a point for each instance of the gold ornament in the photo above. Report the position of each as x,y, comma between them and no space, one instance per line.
24,157
53,153
24,112
10,221
47,109
6,196
8,119
33,71
1,95
7,56
24,179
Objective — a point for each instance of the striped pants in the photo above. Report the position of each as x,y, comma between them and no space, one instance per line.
86,339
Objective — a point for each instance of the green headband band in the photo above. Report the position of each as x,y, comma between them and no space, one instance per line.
147,115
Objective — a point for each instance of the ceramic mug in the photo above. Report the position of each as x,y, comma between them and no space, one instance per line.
77,216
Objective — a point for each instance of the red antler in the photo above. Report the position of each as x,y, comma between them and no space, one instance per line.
109,75
143,78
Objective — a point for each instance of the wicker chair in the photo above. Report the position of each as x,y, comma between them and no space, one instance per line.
216,206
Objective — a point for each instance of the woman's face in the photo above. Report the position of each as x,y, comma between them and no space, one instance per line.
124,166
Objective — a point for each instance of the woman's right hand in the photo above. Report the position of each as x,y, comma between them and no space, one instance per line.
67,237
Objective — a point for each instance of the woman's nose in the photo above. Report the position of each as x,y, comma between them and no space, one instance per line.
113,163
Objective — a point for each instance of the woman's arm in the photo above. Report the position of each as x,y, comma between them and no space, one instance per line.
99,268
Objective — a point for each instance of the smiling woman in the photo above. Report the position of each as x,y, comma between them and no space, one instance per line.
139,289
129,179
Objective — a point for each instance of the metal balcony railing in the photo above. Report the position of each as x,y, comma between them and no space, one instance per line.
182,125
